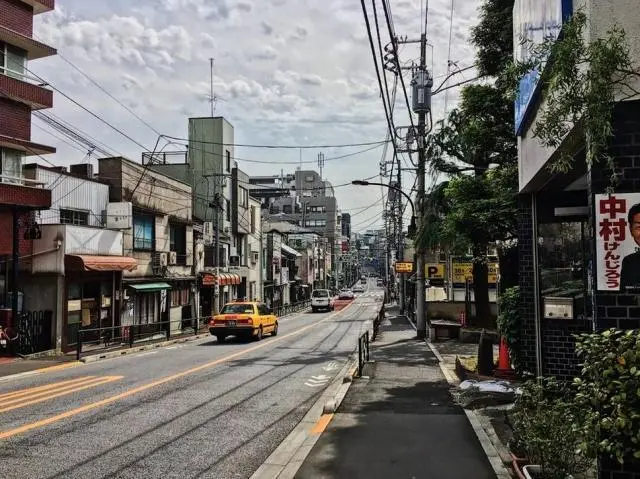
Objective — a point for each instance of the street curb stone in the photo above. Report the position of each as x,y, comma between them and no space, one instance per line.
289,456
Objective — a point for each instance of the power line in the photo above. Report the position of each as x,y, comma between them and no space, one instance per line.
274,147
96,116
109,94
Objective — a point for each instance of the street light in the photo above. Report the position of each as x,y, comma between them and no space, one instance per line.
412,227
411,230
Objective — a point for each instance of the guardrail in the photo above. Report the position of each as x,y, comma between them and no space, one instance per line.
292,308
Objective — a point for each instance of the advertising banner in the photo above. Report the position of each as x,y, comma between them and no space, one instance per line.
617,241
534,21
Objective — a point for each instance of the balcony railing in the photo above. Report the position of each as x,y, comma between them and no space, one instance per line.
22,88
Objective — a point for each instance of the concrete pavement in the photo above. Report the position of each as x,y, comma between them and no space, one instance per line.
200,409
398,421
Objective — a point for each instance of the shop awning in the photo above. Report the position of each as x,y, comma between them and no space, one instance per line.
290,251
149,287
99,263
208,279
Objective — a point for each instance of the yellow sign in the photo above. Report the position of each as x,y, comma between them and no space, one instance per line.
404,267
462,271
434,271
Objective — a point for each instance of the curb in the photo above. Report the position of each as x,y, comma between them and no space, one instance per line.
289,456
137,349
489,449
57,367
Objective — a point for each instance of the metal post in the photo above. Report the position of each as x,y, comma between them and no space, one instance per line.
216,300
421,309
78,344
15,265
400,238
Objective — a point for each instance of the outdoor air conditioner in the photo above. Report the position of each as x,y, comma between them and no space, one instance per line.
173,257
160,259
227,229
254,257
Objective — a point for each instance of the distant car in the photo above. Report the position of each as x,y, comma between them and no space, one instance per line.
379,283
358,289
346,294
321,299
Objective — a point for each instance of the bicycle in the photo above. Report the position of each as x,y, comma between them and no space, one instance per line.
5,337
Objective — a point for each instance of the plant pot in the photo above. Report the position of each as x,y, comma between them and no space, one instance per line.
517,467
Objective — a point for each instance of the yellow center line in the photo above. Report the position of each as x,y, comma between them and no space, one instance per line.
46,387
159,382
31,400
322,424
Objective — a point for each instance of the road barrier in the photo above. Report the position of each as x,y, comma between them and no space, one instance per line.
292,308
363,351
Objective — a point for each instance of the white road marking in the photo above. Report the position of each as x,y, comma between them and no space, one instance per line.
146,354
332,366
317,381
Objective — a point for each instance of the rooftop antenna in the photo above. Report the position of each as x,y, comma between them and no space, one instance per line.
321,163
212,99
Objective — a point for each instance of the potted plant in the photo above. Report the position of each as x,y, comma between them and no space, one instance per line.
549,428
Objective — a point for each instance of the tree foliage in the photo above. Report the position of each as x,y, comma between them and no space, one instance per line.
493,37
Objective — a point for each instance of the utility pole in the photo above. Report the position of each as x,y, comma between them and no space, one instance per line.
422,84
400,248
216,305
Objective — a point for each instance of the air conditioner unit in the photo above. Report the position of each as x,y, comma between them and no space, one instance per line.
173,257
254,257
159,260
234,261
227,229
207,231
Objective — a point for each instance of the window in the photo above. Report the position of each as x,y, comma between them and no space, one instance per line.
238,308
315,223
11,165
227,209
243,197
286,209
74,217
146,308
178,242
180,297
12,61
228,153
316,209
263,310
320,293
143,232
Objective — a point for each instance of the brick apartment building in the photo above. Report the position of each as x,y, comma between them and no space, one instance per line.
20,94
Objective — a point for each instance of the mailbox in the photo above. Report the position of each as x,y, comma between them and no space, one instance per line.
561,308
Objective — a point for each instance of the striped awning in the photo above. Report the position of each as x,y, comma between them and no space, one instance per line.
224,279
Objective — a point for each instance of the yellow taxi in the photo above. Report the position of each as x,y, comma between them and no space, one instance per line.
245,319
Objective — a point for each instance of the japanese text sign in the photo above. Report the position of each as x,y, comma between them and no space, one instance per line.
617,230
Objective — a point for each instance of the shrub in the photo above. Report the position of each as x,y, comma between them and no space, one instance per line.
608,391
509,322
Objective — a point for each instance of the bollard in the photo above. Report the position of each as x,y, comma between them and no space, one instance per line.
131,336
78,345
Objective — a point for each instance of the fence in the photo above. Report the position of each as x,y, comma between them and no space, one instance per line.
31,333
292,308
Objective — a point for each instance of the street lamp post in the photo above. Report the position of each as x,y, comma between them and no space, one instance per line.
412,226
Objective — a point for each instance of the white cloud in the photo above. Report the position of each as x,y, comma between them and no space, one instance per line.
286,72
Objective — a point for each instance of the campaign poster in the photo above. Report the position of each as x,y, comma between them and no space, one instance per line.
617,241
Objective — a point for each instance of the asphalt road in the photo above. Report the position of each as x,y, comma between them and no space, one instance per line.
197,410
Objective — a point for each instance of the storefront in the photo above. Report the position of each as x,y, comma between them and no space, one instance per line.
226,285
92,285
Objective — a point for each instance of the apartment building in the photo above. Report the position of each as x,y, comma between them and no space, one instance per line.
20,94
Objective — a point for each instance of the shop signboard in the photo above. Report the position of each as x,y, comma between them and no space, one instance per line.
434,271
404,267
617,241
534,21
464,271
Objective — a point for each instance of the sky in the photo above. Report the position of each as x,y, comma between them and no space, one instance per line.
286,72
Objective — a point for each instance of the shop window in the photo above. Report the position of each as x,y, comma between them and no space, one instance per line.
143,232
562,261
74,217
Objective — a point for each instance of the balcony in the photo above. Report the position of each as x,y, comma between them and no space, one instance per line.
28,147
34,48
24,193
19,90
40,6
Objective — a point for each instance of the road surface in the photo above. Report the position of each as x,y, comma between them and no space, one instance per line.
199,410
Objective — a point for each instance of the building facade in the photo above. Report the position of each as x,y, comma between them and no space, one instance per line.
161,292
20,94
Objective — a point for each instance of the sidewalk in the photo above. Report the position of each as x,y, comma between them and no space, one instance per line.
11,366
400,421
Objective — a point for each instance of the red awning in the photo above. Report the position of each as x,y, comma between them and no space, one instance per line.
234,279
100,263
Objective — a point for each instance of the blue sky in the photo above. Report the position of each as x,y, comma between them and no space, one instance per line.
286,72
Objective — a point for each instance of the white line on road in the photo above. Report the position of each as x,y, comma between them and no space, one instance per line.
146,354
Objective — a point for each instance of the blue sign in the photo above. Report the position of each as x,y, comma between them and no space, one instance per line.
534,21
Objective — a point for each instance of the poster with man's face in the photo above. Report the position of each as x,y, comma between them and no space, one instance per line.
618,241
